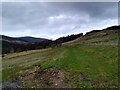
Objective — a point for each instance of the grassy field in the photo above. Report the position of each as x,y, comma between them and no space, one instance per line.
97,63
84,65
13,63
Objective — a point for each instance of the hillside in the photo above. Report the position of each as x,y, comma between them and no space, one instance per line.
8,43
106,36
18,44
90,61
32,39
12,40
11,45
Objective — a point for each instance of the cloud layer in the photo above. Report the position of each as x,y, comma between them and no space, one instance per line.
56,19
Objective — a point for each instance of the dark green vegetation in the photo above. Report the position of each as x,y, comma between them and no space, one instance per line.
11,45
87,62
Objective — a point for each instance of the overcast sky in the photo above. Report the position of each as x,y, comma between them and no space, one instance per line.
53,20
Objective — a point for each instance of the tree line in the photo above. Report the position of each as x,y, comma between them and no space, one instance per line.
9,47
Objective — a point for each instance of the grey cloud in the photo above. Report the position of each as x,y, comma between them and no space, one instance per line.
94,9
56,19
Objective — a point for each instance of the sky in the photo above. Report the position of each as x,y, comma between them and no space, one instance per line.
56,19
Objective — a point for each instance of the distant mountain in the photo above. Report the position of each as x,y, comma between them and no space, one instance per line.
22,40
17,44
12,40
32,39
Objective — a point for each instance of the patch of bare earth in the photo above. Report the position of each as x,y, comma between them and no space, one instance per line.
48,78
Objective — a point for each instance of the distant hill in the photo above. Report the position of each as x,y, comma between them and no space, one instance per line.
32,39
22,40
12,40
18,44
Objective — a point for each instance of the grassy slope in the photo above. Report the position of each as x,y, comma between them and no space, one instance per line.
97,62
13,63
109,37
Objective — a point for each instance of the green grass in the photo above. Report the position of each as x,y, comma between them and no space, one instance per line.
10,73
98,63
14,63
110,39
